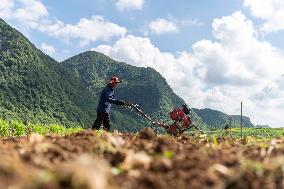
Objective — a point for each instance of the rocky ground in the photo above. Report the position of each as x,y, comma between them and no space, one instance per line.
100,160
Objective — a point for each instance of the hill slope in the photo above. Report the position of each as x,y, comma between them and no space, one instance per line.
35,88
217,119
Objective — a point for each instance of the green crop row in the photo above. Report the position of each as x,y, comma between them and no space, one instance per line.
17,128
248,132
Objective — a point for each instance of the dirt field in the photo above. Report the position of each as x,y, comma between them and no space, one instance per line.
98,160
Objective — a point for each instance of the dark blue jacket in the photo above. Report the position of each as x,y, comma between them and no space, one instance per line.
106,99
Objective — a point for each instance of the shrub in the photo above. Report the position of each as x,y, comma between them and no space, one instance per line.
18,128
57,129
4,129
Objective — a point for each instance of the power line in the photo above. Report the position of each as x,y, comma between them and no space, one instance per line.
269,88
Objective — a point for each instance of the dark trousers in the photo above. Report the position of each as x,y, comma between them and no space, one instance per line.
102,118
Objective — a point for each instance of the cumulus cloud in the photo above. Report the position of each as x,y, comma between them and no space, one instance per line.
6,8
238,53
32,14
161,26
30,11
86,30
26,12
48,49
272,11
216,74
170,25
129,4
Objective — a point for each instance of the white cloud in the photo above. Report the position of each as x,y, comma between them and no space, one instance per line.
48,49
5,4
86,30
26,12
161,26
216,74
30,11
32,14
170,25
272,11
5,8
129,4
240,55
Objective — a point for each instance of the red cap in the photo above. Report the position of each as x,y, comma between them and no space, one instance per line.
114,79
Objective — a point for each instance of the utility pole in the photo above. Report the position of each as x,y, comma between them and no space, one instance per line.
242,120
231,126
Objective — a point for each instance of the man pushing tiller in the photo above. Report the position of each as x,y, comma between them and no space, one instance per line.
106,99
180,116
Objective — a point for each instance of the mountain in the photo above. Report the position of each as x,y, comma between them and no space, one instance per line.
236,119
217,119
261,126
36,88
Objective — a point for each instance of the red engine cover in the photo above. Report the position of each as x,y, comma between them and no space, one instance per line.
177,113
186,121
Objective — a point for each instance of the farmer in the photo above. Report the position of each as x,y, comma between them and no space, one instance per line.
106,99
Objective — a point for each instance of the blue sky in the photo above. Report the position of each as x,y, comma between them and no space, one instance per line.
213,53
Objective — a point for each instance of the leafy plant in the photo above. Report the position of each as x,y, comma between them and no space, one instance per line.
4,129
18,128
57,129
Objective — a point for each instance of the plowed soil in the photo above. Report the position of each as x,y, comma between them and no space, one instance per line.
100,160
